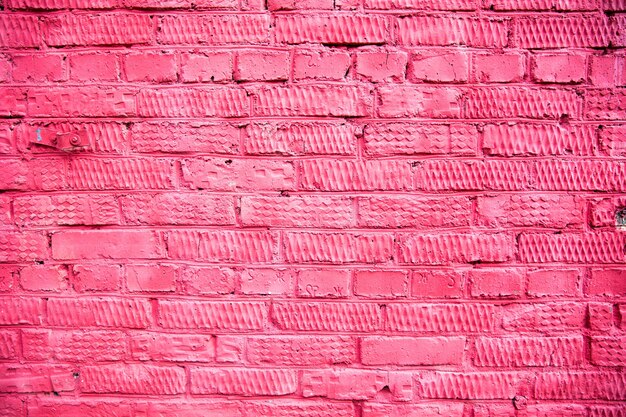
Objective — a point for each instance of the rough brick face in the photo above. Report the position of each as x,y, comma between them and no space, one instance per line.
312,208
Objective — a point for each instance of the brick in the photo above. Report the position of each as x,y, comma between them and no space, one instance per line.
437,284
425,102
14,310
603,70
387,139
101,312
246,382
44,407
321,64
399,410
44,278
63,4
187,408
36,378
498,68
528,139
100,137
341,247
331,29
301,350
238,174
230,349
381,65
18,176
292,211
561,5
110,244
39,68
133,379
608,351
299,138
190,136
206,67
147,278
605,104
20,31
150,67
9,344
305,408
13,102
559,68
303,5
324,283
351,175
439,67
606,282
381,284
121,173
612,140
440,318
9,276
194,102
94,67
327,316
571,248
545,316
23,246
412,350
267,281
509,102
204,280
553,282
475,385
421,4
93,277
176,4
438,249
262,66
313,100
542,32
395,212
178,209
450,30
226,246
7,140
174,314
172,347
606,211
553,211
581,385
214,29
497,283
66,210
607,411
98,29
529,351
352,384
70,346
555,175
88,101
601,316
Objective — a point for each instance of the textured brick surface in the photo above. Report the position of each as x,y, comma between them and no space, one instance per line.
312,208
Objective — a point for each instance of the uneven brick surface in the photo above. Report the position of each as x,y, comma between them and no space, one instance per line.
312,208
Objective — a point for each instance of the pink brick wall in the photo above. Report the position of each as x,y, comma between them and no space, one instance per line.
312,208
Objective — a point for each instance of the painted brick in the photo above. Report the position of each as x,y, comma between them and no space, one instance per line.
172,347
320,64
66,210
238,174
151,67
324,316
266,281
192,102
20,31
213,29
206,67
148,278
9,344
381,65
612,140
323,283
205,280
180,137
107,244
93,277
559,68
442,318
23,246
133,379
437,284
86,101
39,68
43,278
426,102
246,382
571,248
553,282
399,410
607,282
542,32
347,385
292,211
439,67
581,385
497,283
101,312
341,247
87,408
328,29
541,317
381,284
94,67
82,346
450,30
178,209
98,29
21,310
529,351
301,350
262,66
483,385
227,246
498,68
412,350
36,378
212,315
